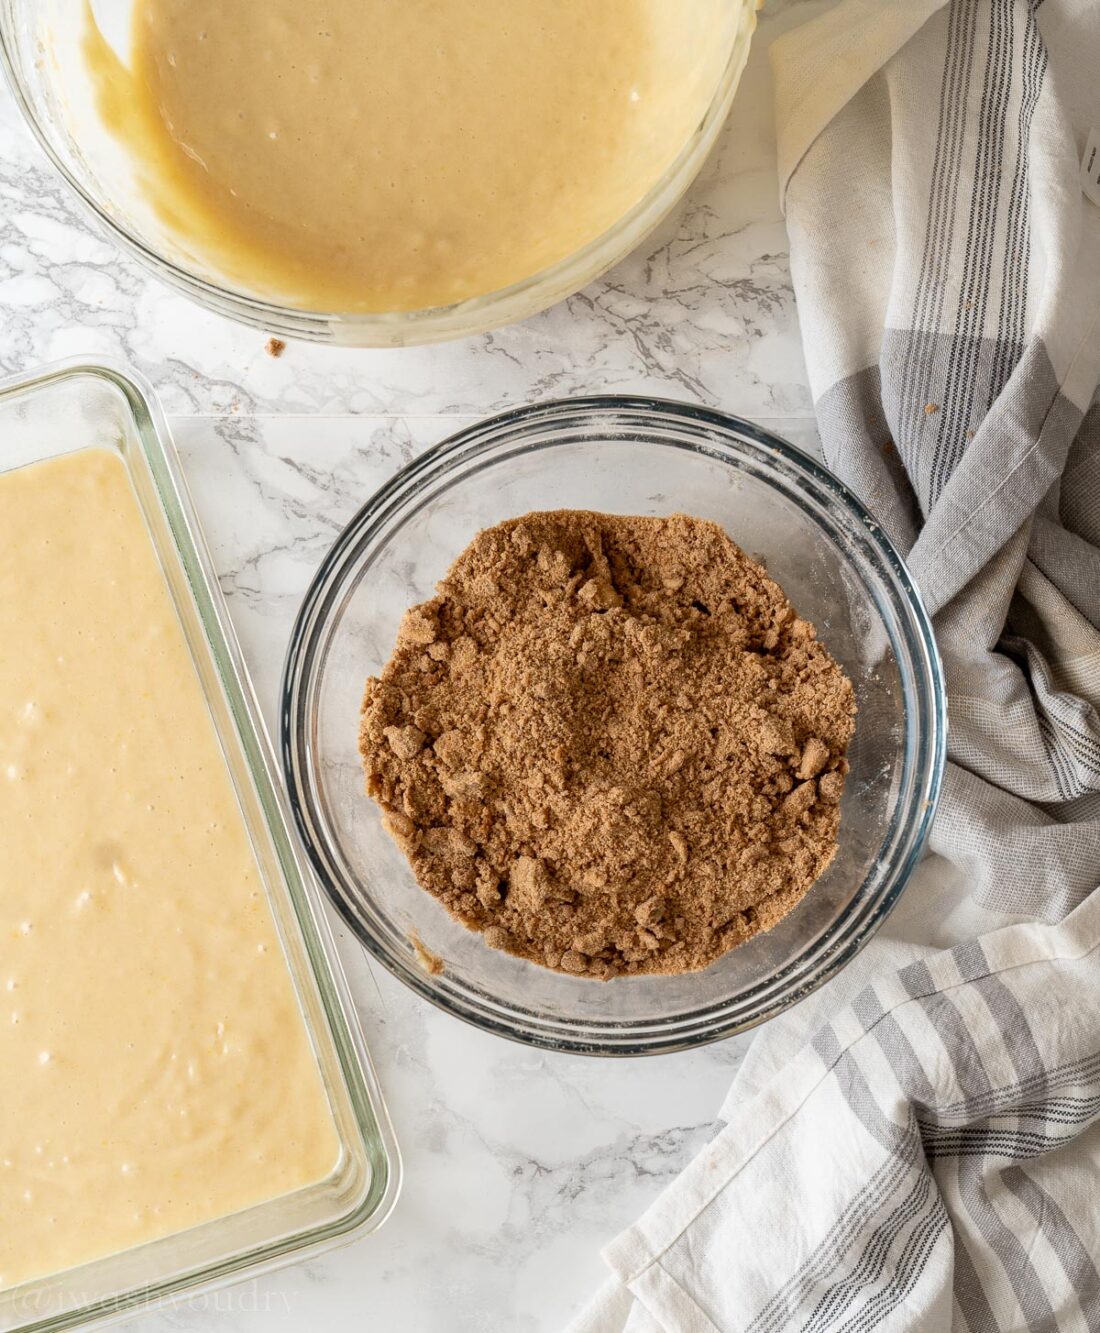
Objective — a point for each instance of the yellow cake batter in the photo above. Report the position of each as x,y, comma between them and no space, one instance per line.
374,155
156,1070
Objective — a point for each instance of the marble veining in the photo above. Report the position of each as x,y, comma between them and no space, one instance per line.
519,1164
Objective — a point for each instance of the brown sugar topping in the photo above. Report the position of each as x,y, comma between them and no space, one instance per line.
610,743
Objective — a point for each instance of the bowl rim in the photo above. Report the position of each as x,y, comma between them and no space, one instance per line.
834,947
490,310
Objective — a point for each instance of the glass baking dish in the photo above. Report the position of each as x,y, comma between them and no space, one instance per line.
74,406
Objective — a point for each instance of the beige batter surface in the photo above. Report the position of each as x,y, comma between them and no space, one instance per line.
156,1069
373,155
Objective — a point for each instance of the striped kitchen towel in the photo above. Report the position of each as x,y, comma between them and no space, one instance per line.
928,1156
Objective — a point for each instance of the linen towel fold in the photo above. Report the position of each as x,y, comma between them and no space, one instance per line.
930,1157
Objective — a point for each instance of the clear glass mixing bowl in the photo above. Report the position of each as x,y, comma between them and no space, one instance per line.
633,456
40,50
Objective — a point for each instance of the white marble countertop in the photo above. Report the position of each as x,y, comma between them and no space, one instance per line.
518,1164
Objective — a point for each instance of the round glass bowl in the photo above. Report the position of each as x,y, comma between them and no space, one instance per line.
41,52
631,456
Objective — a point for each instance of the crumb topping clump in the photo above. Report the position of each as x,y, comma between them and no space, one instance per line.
610,743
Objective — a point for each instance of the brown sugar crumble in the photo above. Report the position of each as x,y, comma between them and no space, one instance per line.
610,743
275,347
429,962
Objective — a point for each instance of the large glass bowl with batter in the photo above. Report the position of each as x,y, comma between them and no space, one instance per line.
629,456
75,406
40,50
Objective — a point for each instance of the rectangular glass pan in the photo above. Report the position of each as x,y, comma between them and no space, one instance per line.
73,406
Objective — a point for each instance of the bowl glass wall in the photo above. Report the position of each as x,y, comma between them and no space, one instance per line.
630,457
